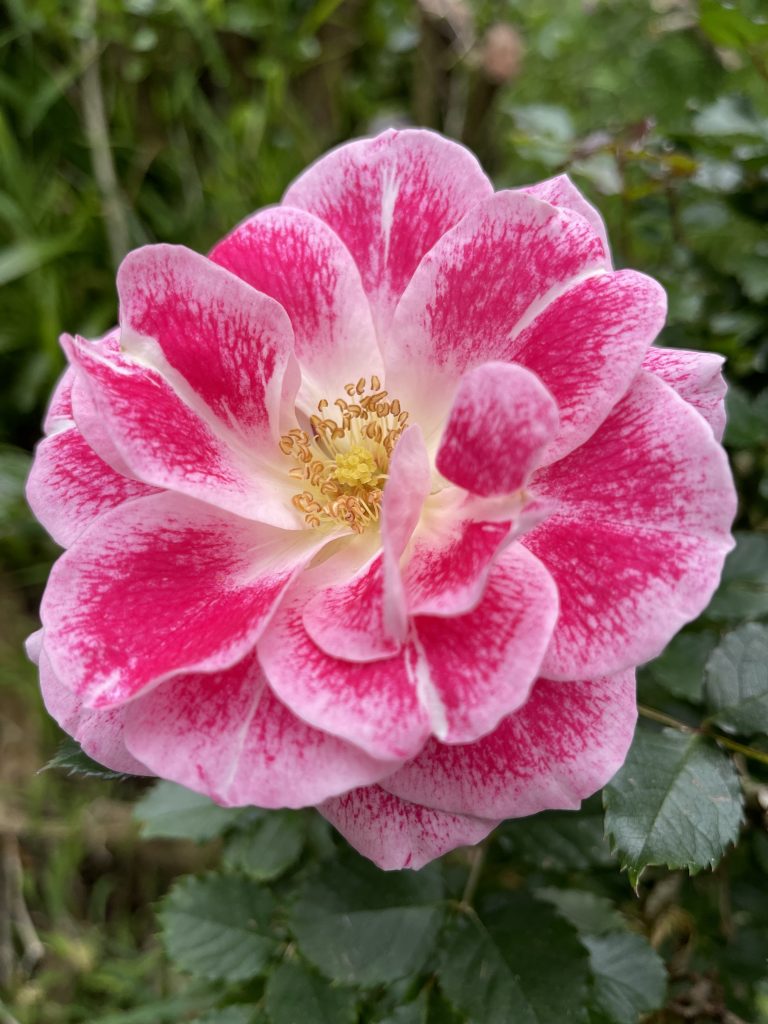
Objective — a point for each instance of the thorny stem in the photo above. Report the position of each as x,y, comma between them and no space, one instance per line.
725,741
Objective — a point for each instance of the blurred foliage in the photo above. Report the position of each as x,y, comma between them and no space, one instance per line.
127,122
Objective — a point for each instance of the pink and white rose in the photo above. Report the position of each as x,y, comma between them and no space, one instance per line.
377,507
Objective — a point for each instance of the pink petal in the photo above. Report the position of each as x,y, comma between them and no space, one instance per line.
69,485
297,260
564,744
163,585
395,834
587,346
474,669
99,733
696,377
58,416
477,289
371,704
215,339
637,544
561,191
132,417
447,572
365,618
501,420
227,735
389,199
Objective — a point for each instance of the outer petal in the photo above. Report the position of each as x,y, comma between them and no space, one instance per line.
473,670
641,532
371,704
228,736
389,199
396,834
163,585
561,191
587,346
299,261
69,485
365,618
696,377
215,339
58,416
567,741
477,289
99,733
132,417
501,420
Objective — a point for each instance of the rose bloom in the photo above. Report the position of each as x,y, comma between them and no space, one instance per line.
377,507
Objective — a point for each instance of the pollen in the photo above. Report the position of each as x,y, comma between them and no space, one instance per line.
343,462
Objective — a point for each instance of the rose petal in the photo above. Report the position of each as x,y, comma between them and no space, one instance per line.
215,339
371,704
132,417
227,735
637,544
69,485
564,744
395,834
390,199
696,377
163,585
477,289
501,420
475,669
58,415
561,191
587,345
365,618
99,733
298,260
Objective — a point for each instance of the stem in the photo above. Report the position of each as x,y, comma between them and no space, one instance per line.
475,873
718,737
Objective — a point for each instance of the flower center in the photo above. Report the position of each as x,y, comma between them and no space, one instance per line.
344,463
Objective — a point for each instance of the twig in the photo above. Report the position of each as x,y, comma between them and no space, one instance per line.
718,737
475,873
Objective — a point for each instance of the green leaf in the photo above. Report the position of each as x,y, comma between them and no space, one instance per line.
362,926
416,1012
559,840
737,680
169,811
676,801
28,254
295,994
73,759
268,847
501,967
629,978
589,913
680,669
229,1015
218,926
743,590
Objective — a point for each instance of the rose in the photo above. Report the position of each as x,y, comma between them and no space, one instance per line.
378,507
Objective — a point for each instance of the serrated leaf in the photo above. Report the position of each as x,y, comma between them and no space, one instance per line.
588,913
680,669
743,590
501,968
361,926
737,680
218,926
676,801
271,845
169,811
72,759
295,994
629,978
